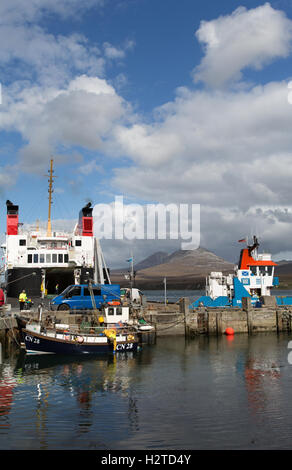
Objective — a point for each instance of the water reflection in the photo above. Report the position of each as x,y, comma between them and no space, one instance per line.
203,393
7,385
89,381
261,381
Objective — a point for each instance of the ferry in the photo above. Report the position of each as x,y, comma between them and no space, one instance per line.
45,262
253,278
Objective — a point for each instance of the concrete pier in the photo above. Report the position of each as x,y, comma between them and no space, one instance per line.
178,320
214,321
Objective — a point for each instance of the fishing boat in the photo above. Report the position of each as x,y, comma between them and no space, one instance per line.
114,335
38,260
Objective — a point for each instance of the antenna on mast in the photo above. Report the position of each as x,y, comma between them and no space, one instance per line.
50,190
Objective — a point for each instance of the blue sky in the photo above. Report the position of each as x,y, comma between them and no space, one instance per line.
155,100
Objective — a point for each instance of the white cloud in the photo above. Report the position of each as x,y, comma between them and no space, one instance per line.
49,59
84,113
15,12
208,146
228,151
246,38
90,167
112,52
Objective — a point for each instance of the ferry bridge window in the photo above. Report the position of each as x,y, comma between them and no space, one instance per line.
270,270
253,270
22,242
48,257
29,258
42,258
35,258
54,257
60,258
77,242
262,270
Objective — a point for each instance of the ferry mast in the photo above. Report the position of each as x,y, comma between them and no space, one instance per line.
50,190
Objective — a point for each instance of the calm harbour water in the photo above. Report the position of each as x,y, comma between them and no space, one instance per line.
205,393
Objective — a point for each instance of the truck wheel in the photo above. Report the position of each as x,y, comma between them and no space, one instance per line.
63,307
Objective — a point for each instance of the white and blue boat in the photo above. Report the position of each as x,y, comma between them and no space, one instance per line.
253,278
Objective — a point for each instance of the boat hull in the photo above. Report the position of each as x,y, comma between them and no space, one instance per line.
37,343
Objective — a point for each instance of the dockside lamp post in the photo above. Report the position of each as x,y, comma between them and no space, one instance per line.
164,282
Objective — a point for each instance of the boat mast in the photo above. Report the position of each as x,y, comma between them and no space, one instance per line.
49,225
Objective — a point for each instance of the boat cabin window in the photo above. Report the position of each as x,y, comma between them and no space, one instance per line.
54,257
66,258
60,258
78,242
74,291
262,270
111,311
48,257
35,258
22,242
253,270
29,258
269,270
96,291
119,311
42,258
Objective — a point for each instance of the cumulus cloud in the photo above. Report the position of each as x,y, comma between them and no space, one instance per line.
28,51
246,38
229,151
209,146
83,114
112,52
90,167
15,12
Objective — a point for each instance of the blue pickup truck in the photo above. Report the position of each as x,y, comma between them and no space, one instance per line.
77,297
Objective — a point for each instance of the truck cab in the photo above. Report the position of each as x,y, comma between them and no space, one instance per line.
135,295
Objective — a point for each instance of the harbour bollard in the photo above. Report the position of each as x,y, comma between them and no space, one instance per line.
229,331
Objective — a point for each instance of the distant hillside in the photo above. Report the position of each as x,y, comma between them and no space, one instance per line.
153,260
183,269
284,272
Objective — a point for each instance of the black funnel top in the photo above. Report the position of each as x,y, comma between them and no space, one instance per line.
86,211
11,208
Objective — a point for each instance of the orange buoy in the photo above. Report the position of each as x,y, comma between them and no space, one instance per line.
229,331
